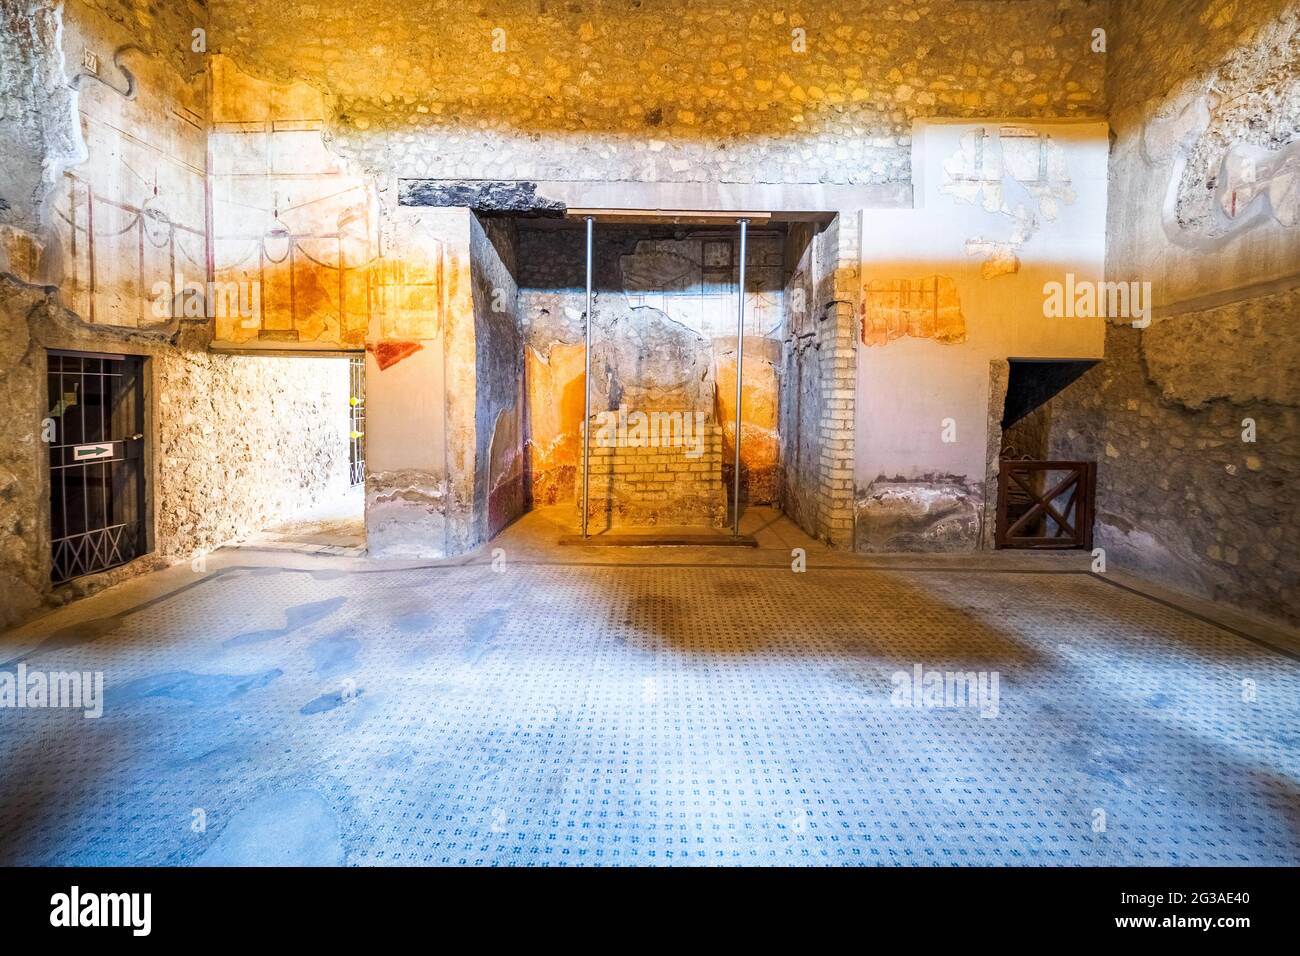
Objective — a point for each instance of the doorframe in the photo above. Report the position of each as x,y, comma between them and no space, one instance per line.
148,455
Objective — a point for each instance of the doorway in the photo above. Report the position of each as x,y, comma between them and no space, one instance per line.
96,439
356,420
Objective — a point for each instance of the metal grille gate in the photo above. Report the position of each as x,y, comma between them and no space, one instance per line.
97,503
357,419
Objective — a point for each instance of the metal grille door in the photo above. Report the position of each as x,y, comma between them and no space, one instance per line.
97,505
357,418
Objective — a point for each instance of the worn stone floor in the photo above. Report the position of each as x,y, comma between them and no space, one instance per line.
536,705
336,525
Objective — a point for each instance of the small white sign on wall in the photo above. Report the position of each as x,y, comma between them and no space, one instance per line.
93,452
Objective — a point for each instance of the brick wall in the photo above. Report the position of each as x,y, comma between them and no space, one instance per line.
818,383
647,485
838,391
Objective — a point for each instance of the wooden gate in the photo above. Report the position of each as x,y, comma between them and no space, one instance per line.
1046,504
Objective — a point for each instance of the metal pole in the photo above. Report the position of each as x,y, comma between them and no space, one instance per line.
586,386
740,373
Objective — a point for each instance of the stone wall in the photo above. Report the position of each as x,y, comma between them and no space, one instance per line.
1193,420
649,91
214,472
1197,490
232,442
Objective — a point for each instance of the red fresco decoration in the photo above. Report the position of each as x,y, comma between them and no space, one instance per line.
388,354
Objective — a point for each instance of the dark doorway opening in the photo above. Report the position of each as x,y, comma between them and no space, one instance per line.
97,484
1042,503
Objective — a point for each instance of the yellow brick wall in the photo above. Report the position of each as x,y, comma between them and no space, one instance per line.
639,486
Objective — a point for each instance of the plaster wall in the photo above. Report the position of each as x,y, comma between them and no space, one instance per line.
289,219
421,393
1205,104
499,492
950,287
444,451
800,417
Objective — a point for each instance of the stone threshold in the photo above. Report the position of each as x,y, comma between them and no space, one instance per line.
653,539
299,547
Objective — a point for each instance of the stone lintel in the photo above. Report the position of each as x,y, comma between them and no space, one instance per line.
485,197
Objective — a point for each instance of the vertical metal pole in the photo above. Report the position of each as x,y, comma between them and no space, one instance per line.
740,373
586,386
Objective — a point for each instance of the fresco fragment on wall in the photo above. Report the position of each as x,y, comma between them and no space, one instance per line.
926,308
1251,184
1259,182
410,288
555,382
505,471
759,441
693,281
1014,173
288,220
388,354
643,359
131,218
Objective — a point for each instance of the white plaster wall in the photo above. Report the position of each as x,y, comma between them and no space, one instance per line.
907,387
405,413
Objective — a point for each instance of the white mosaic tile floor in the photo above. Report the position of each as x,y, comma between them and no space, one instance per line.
643,714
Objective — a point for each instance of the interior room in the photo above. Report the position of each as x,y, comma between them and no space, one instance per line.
650,434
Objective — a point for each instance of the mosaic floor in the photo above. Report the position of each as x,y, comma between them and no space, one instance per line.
636,711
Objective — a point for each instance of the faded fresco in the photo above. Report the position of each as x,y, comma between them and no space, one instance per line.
926,308
1017,174
122,223
289,221
665,339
